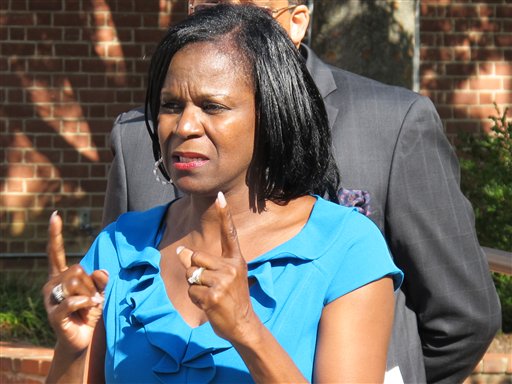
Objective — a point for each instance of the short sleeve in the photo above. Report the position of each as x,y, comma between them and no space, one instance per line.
362,257
102,246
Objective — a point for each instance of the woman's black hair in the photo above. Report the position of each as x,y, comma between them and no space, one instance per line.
292,145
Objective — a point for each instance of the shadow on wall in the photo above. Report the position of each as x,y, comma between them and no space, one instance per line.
68,69
369,38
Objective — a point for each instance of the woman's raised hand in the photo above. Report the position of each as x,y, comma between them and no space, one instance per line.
73,299
219,285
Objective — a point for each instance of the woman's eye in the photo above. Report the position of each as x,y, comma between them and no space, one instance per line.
169,107
213,108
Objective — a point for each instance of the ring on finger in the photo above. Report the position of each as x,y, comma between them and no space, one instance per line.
196,276
58,293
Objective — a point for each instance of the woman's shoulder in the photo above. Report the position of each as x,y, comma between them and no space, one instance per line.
135,221
333,215
125,238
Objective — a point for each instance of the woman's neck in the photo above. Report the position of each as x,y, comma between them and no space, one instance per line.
193,222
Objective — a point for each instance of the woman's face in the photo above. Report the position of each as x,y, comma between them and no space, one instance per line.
207,120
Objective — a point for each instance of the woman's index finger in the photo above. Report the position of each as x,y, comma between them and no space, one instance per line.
55,248
228,235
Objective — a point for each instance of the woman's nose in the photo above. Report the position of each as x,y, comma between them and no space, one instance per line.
189,123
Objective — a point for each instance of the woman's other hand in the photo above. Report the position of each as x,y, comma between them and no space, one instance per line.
73,299
222,290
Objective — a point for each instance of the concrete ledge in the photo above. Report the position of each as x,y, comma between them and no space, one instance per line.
22,363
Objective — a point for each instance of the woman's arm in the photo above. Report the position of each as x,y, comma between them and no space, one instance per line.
354,334
75,313
80,367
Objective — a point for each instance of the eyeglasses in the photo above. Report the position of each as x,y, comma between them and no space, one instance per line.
274,12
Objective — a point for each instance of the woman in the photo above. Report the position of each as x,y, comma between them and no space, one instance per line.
252,275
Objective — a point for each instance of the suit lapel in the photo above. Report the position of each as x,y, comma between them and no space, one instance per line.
324,81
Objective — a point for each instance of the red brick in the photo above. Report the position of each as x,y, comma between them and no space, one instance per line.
127,35
98,65
504,11
436,25
67,111
45,365
128,20
92,185
495,363
503,40
5,364
44,34
485,10
45,5
72,65
77,80
145,6
72,34
459,39
30,366
437,83
482,39
462,126
73,171
462,11
483,112
503,69
20,19
114,50
68,19
504,97
98,81
490,54
462,53
20,49
96,95
150,20
461,69
43,141
465,98
436,54
43,171
485,83
70,156
46,64
72,5
43,18
19,110
46,95
68,49
14,95
14,33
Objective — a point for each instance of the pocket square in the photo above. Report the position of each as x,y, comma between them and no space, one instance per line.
356,198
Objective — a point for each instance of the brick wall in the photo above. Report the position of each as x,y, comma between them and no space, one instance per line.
68,67
466,60
30,365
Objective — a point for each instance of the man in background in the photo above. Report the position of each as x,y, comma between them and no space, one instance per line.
395,161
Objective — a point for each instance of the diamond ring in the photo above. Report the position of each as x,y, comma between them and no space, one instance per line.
196,276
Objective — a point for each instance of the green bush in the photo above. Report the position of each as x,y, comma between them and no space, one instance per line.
486,170
22,314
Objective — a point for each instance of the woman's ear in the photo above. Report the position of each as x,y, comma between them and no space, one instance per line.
299,21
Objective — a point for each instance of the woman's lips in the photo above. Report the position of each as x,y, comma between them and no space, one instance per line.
184,161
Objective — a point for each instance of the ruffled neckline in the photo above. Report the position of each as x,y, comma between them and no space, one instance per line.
136,237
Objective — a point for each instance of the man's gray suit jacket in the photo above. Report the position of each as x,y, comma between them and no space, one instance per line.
389,142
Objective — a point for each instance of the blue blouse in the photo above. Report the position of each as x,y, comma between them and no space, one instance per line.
336,252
